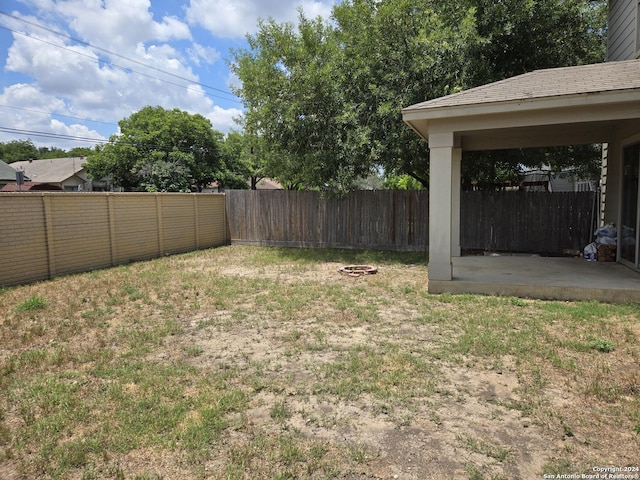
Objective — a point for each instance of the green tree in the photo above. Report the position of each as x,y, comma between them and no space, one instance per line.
237,158
397,53
325,98
51,152
166,173
291,86
516,36
160,150
401,182
18,150
80,152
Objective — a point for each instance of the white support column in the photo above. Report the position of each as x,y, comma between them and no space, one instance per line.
441,158
456,173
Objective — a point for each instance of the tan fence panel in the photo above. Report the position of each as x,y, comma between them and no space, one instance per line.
48,234
135,220
23,239
212,220
80,233
178,224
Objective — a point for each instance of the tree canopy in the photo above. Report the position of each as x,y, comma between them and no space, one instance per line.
160,150
238,161
516,36
18,150
323,99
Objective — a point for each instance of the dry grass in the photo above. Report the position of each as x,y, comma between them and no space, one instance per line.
243,362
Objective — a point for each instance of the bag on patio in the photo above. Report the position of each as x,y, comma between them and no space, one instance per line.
590,251
606,235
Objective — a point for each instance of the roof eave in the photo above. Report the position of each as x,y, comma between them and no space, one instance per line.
523,105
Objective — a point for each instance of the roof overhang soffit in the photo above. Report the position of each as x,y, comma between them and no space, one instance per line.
528,124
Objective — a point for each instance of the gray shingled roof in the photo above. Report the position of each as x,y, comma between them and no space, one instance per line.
7,173
55,170
545,84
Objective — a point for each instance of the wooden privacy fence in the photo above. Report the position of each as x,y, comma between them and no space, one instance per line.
382,219
537,222
44,235
532,222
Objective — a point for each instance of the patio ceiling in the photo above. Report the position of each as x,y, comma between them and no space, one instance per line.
562,106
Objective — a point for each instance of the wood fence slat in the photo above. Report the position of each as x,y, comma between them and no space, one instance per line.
536,222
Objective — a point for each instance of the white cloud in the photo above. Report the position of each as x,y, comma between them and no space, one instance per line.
22,95
235,18
119,24
75,130
233,81
57,70
314,9
200,54
224,120
84,82
27,108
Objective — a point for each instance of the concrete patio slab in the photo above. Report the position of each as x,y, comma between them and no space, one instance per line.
541,277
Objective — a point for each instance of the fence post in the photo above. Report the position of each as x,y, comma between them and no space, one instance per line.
48,223
160,226
112,229
196,221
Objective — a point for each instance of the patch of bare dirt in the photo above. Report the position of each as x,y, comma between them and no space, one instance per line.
468,427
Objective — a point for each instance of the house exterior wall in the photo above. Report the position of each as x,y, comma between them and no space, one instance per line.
626,134
626,138
613,185
75,184
50,234
623,42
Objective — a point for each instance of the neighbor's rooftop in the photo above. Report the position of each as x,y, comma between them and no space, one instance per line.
54,170
7,172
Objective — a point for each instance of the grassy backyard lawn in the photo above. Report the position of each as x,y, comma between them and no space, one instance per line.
265,363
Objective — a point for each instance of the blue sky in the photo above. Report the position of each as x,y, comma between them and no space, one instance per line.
71,69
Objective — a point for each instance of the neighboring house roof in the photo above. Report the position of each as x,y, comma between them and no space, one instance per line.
268,184
7,173
29,187
54,170
580,81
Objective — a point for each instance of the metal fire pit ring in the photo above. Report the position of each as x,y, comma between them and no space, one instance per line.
358,270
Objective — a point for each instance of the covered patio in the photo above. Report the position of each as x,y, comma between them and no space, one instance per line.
532,276
597,103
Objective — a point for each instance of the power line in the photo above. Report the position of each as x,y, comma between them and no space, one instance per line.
59,136
109,52
125,69
75,138
58,115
